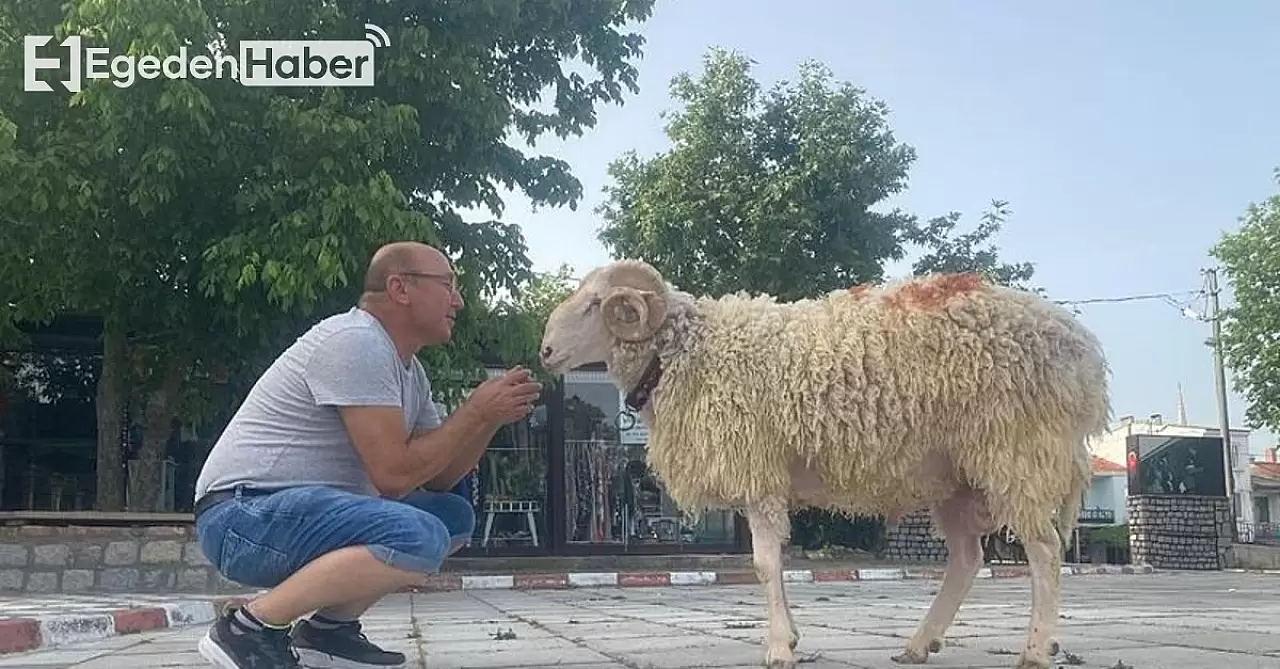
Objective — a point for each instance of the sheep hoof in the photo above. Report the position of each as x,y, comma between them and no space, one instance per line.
935,646
1025,662
779,660
795,638
911,656
1054,648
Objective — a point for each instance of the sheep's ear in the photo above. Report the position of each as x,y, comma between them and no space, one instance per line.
633,315
657,305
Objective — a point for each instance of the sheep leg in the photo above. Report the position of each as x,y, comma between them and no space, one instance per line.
1044,555
962,519
770,529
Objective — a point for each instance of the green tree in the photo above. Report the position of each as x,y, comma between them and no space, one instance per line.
206,223
760,189
1250,260
777,191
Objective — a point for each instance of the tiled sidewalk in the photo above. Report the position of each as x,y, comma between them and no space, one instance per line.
48,622
1160,621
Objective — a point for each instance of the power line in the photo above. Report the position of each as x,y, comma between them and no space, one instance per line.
1168,297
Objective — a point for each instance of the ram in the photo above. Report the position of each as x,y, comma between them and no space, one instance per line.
941,392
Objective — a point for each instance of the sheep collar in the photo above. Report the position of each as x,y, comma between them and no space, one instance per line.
639,395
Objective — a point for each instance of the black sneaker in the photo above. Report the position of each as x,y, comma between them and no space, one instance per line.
229,646
341,647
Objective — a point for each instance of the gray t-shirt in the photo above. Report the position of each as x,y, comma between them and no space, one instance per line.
288,432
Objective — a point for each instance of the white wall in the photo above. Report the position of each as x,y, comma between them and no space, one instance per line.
1109,492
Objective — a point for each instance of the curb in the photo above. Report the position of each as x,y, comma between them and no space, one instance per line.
561,581
18,635
1241,570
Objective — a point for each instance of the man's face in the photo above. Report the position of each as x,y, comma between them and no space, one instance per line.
430,293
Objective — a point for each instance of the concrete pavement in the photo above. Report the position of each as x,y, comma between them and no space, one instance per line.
1148,621
45,621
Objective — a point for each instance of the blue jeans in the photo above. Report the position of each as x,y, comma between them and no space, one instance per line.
260,540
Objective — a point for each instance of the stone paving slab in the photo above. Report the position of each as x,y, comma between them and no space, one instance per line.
1176,620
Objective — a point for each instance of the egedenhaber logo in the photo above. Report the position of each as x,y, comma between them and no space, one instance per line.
260,63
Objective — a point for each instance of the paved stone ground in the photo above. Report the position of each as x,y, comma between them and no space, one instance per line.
1156,621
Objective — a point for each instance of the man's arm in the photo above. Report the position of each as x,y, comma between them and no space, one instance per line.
467,453
397,463
351,371
465,457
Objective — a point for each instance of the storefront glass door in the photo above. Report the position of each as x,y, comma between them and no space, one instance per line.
611,498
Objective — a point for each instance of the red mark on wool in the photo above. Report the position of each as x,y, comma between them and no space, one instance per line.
860,290
933,291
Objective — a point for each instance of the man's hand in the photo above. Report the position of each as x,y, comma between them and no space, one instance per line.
506,399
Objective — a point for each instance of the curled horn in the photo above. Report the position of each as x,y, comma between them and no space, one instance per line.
635,274
637,305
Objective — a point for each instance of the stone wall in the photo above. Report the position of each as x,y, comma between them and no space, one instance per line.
43,559
1180,531
913,540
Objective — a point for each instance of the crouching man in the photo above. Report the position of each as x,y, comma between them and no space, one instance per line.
330,485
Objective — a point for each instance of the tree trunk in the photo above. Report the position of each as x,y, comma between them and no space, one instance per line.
110,472
146,481
5,394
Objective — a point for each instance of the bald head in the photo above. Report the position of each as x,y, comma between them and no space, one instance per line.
411,289
399,258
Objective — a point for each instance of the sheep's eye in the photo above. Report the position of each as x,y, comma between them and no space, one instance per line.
595,302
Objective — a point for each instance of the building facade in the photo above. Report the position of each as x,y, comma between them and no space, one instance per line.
1113,447
1105,501
1265,477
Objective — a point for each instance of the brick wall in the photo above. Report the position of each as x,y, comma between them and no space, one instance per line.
913,540
38,559
1180,531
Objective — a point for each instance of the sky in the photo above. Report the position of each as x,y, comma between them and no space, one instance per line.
1127,137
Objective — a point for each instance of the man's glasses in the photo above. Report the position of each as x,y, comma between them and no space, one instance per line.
450,279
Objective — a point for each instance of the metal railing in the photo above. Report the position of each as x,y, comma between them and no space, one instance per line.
1098,515
1260,533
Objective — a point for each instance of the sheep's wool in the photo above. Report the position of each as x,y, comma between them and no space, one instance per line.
864,387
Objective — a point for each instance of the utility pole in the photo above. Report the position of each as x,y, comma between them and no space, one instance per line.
1220,382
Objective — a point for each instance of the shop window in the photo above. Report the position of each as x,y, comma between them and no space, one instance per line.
509,488
612,497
